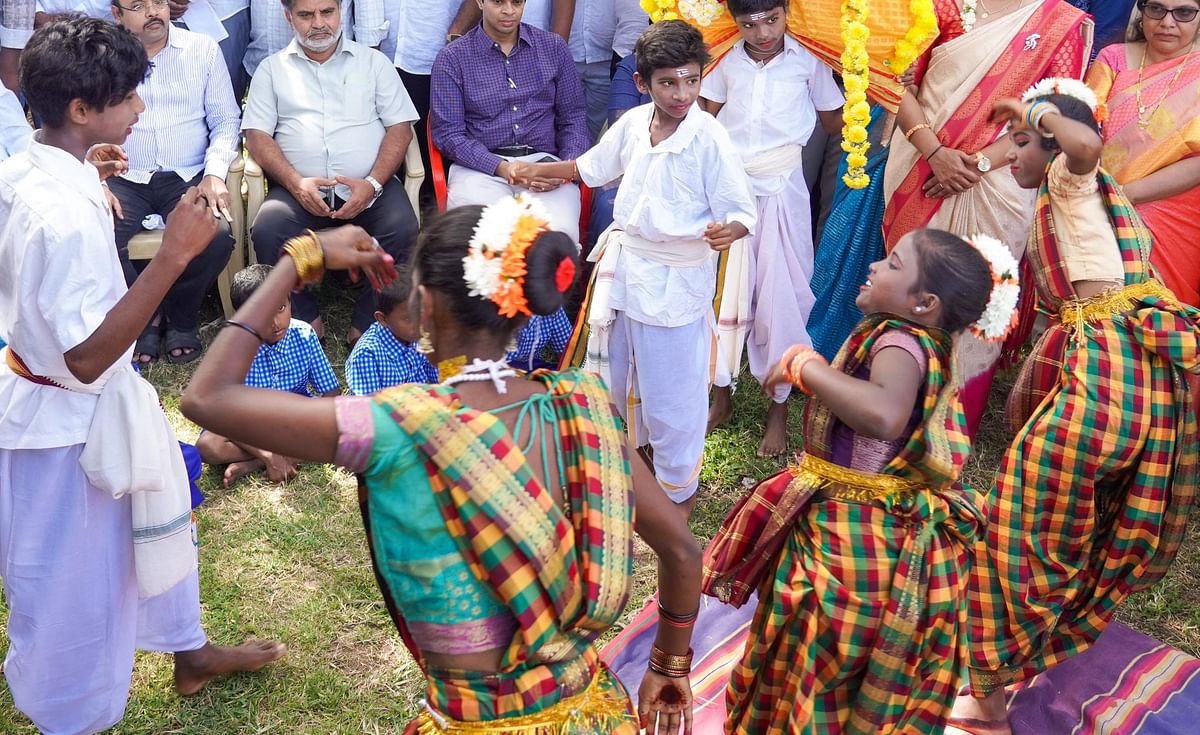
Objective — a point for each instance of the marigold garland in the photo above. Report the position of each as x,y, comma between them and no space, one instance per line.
924,27
856,114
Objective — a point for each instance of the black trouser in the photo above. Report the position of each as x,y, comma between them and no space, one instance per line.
417,86
181,306
390,220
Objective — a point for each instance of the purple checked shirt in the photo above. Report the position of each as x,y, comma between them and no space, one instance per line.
481,99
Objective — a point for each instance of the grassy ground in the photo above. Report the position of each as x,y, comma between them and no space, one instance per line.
289,562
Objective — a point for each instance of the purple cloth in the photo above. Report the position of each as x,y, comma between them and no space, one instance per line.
482,100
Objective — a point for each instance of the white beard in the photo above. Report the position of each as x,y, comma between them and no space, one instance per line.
318,46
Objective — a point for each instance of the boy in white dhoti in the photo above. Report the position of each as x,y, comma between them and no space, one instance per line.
768,92
73,575
683,195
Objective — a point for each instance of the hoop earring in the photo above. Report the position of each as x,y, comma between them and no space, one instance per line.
425,344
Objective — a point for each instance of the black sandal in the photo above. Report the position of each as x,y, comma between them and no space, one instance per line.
187,341
148,344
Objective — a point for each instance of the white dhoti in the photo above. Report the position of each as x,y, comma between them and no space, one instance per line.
467,186
67,559
780,265
660,385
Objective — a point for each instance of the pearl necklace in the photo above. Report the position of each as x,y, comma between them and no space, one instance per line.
480,371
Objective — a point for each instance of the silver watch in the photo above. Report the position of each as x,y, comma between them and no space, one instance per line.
983,163
378,187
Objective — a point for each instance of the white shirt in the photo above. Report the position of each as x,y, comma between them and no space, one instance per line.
191,120
14,128
227,8
631,22
16,23
328,119
416,32
772,104
270,32
59,278
671,191
596,25
93,8
540,13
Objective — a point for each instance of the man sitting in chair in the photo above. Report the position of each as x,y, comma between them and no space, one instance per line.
187,136
329,122
507,91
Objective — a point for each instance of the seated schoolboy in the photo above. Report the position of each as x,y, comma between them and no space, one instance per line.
290,359
541,342
385,355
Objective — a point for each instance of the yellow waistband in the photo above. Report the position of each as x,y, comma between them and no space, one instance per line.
604,709
1076,313
843,483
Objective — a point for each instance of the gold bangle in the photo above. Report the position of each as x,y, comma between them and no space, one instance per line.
309,257
793,364
908,134
669,661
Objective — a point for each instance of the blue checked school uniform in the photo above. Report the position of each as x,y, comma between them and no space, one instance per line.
294,364
541,342
379,361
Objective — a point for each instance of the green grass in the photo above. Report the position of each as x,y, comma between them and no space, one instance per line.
289,562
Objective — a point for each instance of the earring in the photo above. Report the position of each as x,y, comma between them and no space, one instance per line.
918,309
425,344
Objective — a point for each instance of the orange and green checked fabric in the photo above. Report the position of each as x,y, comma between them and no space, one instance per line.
1091,500
860,626
564,576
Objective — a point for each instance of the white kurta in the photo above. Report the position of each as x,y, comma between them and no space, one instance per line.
661,341
66,548
766,107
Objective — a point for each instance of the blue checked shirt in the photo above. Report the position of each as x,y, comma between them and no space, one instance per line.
295,364
542,337
379,361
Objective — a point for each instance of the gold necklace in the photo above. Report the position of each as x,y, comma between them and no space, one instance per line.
1143,120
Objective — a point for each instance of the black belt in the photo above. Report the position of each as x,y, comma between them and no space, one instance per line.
514,151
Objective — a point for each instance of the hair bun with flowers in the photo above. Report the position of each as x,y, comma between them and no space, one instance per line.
1000,314
1069,88
495,267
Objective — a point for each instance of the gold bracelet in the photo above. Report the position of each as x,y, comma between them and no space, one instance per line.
670,661
908,134
309,257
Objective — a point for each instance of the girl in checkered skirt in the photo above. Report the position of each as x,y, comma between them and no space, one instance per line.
860,552
1091,500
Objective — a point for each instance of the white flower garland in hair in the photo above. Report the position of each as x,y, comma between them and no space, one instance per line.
1000,314
493,233
1064,86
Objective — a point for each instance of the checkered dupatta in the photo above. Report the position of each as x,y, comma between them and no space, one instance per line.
564,576
1159,322
748,542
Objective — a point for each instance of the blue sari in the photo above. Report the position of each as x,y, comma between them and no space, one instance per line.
851,241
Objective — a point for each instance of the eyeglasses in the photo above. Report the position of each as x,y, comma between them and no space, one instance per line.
141,7
1154,11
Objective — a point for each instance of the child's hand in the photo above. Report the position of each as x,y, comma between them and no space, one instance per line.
909,77
280,468
720,235
109,159
774,379
1007,109
350,248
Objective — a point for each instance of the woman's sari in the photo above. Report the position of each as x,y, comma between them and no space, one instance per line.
1137,146
999,59
1092,498
861,575
561,573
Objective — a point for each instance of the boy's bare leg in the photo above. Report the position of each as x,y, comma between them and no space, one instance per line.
194,669
216,449
774,441
687,506
721,408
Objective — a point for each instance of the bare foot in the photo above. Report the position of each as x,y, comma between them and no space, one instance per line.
237,470
318,327
774,441
721,408
987,716
194,669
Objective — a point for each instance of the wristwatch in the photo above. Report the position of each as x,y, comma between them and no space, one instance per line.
983,163
378,187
